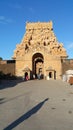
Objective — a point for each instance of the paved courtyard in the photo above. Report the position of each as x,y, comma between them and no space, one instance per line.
36,105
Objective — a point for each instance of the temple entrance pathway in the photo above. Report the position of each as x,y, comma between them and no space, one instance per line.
37,105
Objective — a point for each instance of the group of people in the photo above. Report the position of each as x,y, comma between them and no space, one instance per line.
37,76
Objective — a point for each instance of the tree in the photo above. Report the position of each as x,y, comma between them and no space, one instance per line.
1,58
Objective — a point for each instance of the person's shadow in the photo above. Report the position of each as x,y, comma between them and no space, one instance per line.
26,115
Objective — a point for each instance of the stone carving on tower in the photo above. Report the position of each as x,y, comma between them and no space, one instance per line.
39,36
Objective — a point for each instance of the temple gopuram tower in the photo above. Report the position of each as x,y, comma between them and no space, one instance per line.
39,52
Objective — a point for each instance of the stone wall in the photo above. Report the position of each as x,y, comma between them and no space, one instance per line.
56,64
7,66
67,64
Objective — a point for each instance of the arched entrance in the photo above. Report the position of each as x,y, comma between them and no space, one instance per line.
51,73
38,64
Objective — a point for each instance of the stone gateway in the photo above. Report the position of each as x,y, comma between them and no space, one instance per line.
39,52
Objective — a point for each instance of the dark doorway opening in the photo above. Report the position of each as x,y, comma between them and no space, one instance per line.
38,64
50,74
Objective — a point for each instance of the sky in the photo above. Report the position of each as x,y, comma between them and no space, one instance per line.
15,13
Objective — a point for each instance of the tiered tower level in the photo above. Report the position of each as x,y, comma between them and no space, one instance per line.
37,36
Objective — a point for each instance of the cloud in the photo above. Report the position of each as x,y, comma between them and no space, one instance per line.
2,17
70,46
5,20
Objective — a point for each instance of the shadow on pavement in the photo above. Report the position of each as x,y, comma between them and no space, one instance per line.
9,83
1,100
26,115
4,100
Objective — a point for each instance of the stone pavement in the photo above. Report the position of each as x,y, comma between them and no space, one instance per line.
36,105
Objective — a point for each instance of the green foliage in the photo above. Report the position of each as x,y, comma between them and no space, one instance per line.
1,58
